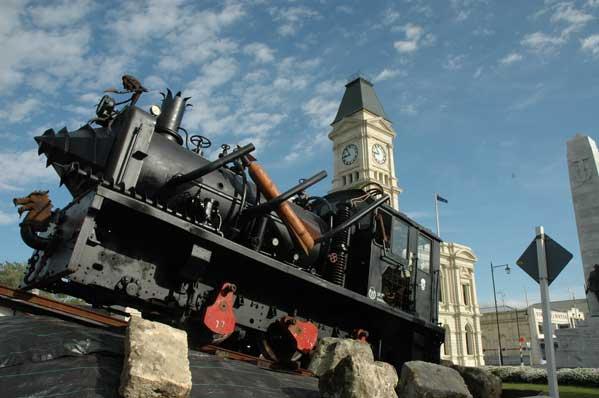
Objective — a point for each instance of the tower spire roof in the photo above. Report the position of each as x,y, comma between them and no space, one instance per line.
359,94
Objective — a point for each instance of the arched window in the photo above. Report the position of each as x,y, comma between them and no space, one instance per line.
446,343
469,340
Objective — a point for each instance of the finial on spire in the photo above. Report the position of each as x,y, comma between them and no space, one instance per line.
358,75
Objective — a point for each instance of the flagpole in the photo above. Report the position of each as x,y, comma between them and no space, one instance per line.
437,214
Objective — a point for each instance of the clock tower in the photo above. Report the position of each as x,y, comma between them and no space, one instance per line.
363,142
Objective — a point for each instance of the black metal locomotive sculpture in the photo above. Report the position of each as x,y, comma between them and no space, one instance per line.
156,226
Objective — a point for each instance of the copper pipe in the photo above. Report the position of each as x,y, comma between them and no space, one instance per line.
284,210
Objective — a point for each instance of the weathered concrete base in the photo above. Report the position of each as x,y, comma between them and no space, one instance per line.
156,361
426,380
578,347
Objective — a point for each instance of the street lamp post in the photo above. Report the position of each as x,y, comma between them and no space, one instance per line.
507,270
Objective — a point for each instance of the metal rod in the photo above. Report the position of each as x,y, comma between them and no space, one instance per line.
209,167
519,337
545,300
274,202
437,214
353,219
496,315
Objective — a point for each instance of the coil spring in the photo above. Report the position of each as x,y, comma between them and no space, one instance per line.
339,246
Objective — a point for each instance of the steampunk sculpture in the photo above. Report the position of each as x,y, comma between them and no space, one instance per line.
215,248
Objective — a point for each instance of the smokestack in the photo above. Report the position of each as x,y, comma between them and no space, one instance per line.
172,110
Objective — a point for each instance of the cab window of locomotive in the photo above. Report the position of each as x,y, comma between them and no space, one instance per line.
400,238
424,253
383,228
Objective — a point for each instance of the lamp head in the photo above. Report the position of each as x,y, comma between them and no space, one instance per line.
507,269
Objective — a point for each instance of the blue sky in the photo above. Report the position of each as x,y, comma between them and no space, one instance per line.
483,96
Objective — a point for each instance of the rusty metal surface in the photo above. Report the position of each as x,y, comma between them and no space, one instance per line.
260,362
61,308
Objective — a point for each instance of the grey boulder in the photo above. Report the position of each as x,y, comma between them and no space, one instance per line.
481,383
427,380
331,350
359,378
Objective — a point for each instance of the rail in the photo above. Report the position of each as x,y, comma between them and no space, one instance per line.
27,299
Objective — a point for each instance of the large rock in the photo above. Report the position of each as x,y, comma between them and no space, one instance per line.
427,380
359,378
481,383
331,350
156,363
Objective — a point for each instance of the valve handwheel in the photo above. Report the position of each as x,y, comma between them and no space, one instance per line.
200,142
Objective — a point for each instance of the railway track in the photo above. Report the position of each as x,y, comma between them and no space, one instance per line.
22,300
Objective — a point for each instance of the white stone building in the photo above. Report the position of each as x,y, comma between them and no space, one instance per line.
362,139
459,312
525,328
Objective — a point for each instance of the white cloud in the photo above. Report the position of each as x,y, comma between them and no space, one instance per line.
23,168
63,13
510,59
259,123
214,74
345,9
574,19
190,36
261,52
591,44
454,62
137,20
541,43
463,8
408,109
31,56
415,37
387,74
16,112
8,218
390,16
478,73
321,110
537,95
292,18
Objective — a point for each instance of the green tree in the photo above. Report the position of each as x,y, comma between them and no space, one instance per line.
11,274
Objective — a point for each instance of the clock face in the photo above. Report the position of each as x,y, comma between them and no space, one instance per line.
349,154
379,154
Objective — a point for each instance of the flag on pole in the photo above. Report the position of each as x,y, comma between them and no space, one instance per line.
441,199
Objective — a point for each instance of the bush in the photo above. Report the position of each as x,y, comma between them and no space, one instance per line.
524,374
579,377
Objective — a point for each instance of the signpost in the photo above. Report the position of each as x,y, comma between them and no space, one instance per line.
543,260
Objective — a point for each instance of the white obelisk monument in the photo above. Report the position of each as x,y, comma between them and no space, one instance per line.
583,165
579,347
